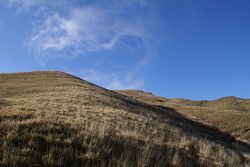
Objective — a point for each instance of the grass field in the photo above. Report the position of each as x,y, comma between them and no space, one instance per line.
55,119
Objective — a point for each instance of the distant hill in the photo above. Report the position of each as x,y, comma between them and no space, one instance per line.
56,119
225,103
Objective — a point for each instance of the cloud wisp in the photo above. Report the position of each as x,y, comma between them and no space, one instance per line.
84,30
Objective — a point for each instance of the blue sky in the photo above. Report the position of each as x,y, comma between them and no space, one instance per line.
197,49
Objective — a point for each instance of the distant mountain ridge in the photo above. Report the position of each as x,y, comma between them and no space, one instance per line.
224,103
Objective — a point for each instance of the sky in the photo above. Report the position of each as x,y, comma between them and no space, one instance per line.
196,49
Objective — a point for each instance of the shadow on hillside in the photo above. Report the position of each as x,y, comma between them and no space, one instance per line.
192,127
203,131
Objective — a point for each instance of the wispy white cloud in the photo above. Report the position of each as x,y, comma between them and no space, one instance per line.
84,30
81,29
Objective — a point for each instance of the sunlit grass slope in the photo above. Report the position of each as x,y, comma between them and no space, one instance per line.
56,119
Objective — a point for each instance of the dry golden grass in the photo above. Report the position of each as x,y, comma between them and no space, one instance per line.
55,119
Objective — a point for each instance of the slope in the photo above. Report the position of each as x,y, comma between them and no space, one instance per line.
56,119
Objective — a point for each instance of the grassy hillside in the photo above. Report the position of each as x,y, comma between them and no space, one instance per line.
55,119
215,113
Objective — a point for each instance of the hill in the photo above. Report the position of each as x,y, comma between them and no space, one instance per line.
56,119
220,113
225,103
